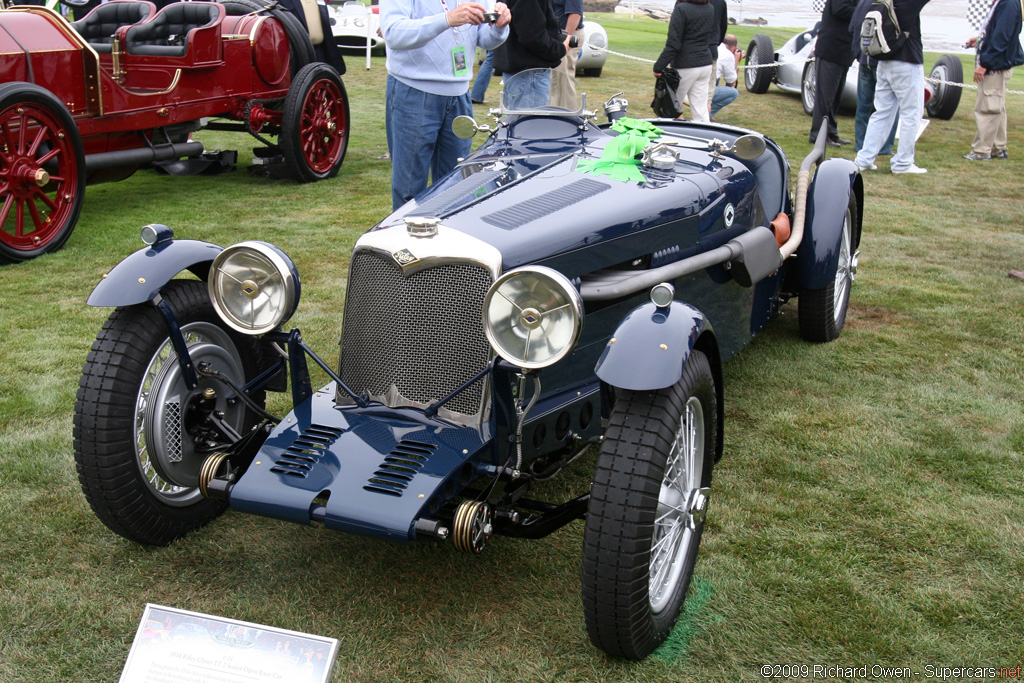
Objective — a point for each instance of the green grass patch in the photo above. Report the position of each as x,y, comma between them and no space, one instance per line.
869,508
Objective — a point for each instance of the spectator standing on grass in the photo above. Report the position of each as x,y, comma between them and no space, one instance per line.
533,48
866,79
832,59
717,38
729,56
431,49
686,49
900,89
570,18
999,50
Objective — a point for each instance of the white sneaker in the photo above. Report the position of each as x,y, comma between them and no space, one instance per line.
861,169
913,168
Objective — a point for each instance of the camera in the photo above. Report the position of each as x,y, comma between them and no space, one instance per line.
573,40
490,17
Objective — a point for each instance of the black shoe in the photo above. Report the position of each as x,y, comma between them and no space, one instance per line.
477,101
833,143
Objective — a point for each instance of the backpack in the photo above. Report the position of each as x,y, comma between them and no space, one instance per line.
880,34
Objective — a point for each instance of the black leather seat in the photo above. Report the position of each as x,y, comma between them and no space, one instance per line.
98,27
167,33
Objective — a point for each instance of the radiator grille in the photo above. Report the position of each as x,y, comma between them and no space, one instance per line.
420,334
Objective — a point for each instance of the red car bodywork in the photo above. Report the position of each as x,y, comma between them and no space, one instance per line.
131,105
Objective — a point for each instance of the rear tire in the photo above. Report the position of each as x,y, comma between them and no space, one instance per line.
946,99
42,173
652,480
119,439
760,51
808,83
593,73
315,124
822,312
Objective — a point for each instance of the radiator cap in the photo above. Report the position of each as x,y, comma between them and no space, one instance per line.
422,226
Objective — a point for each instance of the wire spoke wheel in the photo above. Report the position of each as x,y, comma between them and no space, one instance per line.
138,448
41,181
673,534
645,518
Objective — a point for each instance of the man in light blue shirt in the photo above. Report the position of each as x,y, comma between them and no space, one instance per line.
431,45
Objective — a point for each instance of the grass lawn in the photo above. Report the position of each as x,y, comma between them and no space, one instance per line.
869,509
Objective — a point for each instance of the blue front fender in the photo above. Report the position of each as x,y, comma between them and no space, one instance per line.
141,276
827,200
651,346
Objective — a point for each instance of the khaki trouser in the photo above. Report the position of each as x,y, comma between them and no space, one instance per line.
990,113
563,87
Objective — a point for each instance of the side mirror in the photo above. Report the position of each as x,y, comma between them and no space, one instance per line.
465,127
748,147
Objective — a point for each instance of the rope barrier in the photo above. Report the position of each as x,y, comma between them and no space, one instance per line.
934,81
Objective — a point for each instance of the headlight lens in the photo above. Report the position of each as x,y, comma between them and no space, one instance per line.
533,316
254,287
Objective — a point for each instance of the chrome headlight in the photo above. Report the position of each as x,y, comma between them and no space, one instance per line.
533,316
254,287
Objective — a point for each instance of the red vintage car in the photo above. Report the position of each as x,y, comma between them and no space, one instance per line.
94,100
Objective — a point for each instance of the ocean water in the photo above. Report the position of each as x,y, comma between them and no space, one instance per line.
944,24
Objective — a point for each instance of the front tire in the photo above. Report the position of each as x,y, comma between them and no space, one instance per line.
822,312
315,124
136,460
646,512
760,51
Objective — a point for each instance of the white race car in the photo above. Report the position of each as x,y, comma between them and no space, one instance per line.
354,24
595,50
794,72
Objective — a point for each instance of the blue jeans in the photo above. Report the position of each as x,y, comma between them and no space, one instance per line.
483,78
899,90
865,105
420,137
724,95
528,89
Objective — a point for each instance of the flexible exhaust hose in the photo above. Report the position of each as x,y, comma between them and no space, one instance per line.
803,181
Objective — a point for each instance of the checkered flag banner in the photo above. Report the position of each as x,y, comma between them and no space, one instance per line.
819,5
977,10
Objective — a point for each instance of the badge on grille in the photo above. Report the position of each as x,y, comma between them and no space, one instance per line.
403,257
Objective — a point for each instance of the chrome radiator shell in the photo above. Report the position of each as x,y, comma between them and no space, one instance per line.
413,329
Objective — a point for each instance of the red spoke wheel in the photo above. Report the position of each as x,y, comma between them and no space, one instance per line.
42,179
315,124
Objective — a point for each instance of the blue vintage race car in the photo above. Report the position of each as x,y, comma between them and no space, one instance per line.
572,284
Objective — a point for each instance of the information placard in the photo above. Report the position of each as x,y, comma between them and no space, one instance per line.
178,646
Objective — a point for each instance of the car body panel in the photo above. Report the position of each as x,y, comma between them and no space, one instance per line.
651,346
827,199
141,276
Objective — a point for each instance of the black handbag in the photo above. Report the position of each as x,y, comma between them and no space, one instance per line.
665,103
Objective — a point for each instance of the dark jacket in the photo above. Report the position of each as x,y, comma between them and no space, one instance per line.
908,13
534,38
689,34
835,37
1000,48
721,26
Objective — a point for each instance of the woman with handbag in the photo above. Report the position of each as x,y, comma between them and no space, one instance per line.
686,49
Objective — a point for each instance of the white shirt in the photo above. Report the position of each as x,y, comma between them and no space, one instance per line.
726,65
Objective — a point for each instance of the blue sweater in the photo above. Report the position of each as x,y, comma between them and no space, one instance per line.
420,43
